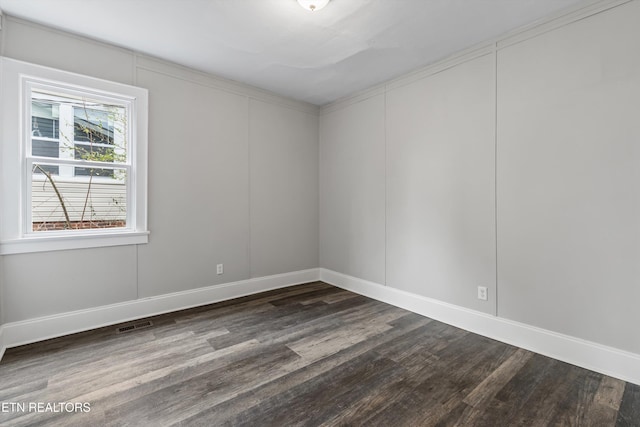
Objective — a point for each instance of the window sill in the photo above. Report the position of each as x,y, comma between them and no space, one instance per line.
85,241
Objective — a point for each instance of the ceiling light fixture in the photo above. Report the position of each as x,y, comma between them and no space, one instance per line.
313,5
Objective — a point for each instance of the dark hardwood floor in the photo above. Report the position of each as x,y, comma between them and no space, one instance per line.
305,355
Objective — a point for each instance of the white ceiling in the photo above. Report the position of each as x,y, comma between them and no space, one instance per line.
276,45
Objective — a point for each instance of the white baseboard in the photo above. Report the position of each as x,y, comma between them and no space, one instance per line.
593,356
42,328
589,355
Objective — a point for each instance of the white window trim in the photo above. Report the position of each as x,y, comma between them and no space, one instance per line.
14,238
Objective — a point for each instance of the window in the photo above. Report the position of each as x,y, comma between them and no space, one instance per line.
76,159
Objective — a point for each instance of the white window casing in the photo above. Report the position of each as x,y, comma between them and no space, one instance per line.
18,81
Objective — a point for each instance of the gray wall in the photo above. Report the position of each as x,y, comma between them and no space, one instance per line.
284,189
569,179
440,185
220,155
352,190
515,169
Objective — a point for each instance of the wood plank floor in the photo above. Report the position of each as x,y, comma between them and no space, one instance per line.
306,355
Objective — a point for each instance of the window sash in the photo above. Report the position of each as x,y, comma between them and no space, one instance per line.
28,220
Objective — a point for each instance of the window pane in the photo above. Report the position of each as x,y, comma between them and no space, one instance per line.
93,172
96,153
95,127
44,119
45,148
92,126
89,204
42,169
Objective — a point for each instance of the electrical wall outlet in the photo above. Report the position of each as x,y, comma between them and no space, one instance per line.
483,293
220,268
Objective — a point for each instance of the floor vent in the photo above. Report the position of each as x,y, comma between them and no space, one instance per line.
133,326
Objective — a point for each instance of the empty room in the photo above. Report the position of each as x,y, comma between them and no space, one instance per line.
320,213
